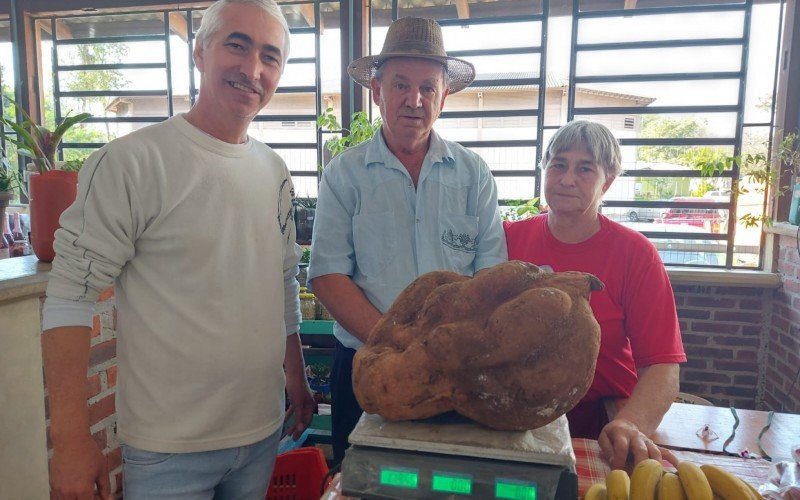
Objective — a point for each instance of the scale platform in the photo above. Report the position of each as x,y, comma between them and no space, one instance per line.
457,458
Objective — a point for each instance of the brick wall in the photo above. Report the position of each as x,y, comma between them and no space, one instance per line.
782,361
723,334
101,382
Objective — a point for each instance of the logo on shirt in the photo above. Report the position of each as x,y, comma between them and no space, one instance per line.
285,207
460,241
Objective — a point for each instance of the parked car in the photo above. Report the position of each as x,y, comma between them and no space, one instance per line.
632,214
718,195
712,220
678,257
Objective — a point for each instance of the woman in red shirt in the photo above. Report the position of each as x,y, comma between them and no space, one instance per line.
640,345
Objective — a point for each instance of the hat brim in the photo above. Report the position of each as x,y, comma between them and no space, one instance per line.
460,72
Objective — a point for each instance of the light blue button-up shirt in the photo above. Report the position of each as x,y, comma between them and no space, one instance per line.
374,226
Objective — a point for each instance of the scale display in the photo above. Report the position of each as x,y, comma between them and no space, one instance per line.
451,482
378,473
514,490
426,460
445,482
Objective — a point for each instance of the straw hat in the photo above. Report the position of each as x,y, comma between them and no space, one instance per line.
414,37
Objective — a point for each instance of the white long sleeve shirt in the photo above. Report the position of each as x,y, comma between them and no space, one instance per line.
197,235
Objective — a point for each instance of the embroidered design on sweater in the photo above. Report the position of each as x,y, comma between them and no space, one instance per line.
285,214
460,241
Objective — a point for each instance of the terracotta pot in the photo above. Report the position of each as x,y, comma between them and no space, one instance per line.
50,194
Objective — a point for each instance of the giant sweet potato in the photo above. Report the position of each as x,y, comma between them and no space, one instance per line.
512,349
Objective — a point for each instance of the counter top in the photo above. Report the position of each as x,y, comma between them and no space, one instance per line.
22,276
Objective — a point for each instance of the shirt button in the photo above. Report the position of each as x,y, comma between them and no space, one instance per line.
417,221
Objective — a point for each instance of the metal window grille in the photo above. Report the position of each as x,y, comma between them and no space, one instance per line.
513,161
157,27
714,245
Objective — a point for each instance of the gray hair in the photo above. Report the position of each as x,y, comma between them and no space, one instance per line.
597,139
212,19
379,68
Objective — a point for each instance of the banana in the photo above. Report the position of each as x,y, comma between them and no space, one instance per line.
670,487
694,482
596,492
725,484
618,485
645,478
756,494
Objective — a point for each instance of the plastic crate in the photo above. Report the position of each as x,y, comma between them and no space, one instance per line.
298,475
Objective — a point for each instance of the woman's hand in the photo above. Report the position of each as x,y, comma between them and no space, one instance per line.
621,438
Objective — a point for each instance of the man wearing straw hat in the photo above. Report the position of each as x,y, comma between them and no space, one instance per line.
400,205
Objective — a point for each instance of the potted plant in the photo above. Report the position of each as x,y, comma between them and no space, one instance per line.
361,129
51,189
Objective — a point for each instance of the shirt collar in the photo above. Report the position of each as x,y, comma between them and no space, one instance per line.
438,152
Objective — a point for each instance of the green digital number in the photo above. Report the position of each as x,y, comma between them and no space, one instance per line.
399,478
452,483
514,490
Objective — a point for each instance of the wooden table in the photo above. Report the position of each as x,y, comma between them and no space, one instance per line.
679,428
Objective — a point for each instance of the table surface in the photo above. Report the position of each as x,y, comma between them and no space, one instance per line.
678,430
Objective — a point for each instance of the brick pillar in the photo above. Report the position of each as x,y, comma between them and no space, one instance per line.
782,363
101,388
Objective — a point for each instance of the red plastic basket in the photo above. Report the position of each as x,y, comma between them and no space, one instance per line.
298,475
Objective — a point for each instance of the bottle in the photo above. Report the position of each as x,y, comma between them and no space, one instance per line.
17,234
6,239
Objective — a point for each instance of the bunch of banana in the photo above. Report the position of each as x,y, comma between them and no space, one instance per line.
727,486
649,482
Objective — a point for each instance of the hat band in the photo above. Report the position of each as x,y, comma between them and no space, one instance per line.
415,47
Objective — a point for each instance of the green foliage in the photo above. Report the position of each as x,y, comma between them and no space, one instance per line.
715,157
521,209
97,53
759,172
660,188
36,141
7,95
9,178
765,102
361,129
703,188
662,127
306,257
74,164
305,202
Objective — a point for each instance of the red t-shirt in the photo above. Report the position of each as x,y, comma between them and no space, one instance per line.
636,310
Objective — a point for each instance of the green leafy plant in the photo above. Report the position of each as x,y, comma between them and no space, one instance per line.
36,141
361,129
306,257
521,209
9,179
757,172
74,164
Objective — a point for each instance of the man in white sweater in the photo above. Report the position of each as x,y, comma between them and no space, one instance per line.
191,220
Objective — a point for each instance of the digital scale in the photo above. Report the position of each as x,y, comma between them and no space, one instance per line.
431,459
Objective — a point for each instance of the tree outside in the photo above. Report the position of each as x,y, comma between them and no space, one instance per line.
99,53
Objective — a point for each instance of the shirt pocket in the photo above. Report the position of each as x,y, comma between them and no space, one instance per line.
459,239
374,237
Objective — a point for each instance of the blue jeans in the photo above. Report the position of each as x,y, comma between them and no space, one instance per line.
229,474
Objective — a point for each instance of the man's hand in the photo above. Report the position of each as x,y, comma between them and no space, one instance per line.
621,438
301,405
76,468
